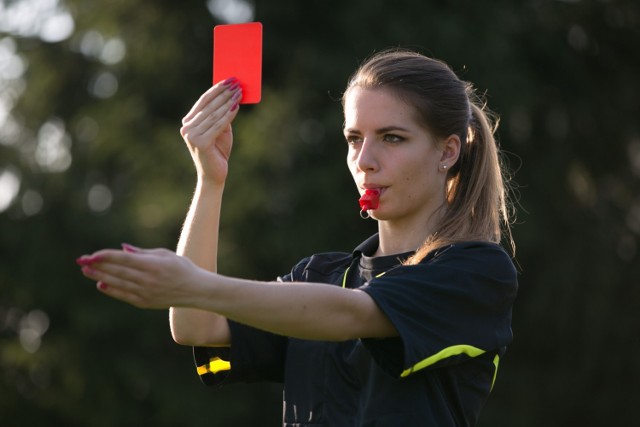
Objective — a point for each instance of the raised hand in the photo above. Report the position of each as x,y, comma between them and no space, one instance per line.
206,129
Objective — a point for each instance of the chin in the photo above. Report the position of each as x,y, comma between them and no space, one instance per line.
378,216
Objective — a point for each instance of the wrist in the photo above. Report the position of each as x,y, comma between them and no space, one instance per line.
197,286
208,184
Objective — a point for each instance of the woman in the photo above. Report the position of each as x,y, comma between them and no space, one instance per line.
412,331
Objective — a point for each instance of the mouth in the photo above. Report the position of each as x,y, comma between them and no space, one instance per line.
370,199
372,188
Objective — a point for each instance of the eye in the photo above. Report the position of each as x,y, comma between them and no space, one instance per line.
393,138
353,139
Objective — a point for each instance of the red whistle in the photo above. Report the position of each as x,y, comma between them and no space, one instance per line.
370,199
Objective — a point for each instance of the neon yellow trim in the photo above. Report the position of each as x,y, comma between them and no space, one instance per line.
344,278
496,361
443,354
214,366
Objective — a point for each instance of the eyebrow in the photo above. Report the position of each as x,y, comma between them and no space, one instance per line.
381,130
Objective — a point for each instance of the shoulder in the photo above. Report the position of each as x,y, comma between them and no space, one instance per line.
322,267
472,255
474,267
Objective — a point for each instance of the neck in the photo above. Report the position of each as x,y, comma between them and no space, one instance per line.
397,238
393,241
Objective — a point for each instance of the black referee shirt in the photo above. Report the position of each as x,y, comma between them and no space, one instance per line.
453,315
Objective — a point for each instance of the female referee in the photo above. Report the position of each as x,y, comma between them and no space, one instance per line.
409,328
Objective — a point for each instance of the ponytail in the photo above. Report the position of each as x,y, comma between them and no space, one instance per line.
476,200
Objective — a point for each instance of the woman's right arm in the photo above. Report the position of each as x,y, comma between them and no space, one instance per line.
207,132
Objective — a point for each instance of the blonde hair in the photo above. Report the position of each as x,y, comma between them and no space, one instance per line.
477,205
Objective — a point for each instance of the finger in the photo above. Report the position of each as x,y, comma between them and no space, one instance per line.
121,294
113,273
217,120
206,98
135,287
112,256
119,282
129,248
212,113
212,101
91,259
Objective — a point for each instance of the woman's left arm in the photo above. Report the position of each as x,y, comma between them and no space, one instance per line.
159,278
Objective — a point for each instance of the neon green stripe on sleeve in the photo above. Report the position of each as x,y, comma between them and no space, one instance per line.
496,361
443,354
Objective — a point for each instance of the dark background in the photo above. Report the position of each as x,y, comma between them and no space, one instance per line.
91,97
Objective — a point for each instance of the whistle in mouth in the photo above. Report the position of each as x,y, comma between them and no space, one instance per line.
370,199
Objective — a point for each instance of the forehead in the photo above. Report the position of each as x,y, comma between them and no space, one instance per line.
377,108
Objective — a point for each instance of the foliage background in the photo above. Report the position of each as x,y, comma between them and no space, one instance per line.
91,97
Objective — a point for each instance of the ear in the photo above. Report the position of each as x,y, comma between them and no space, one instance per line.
450,151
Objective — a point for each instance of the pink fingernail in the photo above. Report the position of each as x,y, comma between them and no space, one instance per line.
102,286
228,81
88,260
235,86
86,269
235,106
128,248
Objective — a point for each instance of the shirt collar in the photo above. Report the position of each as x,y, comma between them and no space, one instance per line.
364,252
368,247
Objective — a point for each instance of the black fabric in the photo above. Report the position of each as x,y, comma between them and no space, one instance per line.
256,356
459,296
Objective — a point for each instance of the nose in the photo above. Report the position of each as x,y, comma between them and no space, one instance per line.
366,159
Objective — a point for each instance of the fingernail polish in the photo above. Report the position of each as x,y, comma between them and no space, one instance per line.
128,248
102,286
228,81
235,106
88,260
235,86
86,269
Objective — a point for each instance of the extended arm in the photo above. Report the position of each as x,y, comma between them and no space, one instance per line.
158,278
300,310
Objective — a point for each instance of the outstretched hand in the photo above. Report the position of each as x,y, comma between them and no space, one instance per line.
145,278
206,129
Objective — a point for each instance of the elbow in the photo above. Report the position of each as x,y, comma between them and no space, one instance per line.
198,330
182,332
183,338
192,338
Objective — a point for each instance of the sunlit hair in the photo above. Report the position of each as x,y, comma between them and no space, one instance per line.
477,205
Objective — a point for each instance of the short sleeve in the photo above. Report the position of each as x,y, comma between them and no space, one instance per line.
453,306
253,356
256,355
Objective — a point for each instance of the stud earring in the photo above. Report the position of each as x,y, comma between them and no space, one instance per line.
443,167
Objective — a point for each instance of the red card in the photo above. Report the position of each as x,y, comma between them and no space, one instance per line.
237,52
